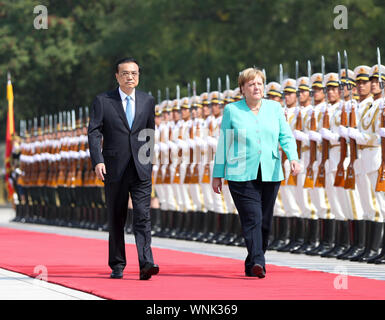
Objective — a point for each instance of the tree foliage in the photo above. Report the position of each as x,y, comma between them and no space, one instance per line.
176,42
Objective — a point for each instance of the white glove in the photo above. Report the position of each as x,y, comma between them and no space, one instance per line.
315,136
356,135
343,132
382,104
329,135
349,105
301,136
381,132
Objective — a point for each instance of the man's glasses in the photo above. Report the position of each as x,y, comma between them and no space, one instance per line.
126,74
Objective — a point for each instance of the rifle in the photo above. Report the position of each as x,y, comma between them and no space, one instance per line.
320,181
194,178
339,180
350,180
167,176
180,155
206,171
309,180
380,185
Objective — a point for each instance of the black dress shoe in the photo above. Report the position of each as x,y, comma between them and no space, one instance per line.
256,271
116,274
148,270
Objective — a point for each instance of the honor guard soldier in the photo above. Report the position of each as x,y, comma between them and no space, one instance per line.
308,222
354,216
156,175
232,227
368,140
339,198
357,175
377,89
167,150
216,106
318,197
273,91
289,225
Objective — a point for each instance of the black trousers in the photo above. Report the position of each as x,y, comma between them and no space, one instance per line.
117,194
255,201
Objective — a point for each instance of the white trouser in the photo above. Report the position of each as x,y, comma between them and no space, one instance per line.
230,206
218,203
379,198
340,204
289,196
279,210
318,195
206,191
161,197
186,199
195,193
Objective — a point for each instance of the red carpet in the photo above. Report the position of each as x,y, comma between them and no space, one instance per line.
81,264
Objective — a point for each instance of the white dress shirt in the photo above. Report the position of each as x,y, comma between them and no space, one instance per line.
123,96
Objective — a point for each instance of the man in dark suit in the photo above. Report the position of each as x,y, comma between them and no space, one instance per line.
120,136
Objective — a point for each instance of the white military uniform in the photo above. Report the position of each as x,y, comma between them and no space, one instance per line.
364,111
317,195
288,194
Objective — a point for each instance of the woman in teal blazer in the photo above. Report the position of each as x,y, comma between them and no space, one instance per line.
248,157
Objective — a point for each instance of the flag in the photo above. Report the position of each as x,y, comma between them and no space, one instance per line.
8,139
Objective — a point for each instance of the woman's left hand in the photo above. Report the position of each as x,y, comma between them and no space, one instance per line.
295,167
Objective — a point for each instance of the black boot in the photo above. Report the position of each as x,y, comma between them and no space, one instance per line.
374,242
359,235
218,227
274,233
330,236
153,220
300,234
312,236
230,237
156,226
203,222
239,240
198,226
364,241
174,224
193,225
225,228
170,223
342,240
214,224
380,259
179,223
186,225
163,220
209,226
292,237
283,226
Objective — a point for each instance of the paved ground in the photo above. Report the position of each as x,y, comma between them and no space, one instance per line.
17,286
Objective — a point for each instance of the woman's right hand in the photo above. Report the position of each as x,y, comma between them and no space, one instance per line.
217,185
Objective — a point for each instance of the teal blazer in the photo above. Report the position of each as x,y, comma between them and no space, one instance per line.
247,140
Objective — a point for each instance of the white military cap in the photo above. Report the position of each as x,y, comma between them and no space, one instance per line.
274,89
361,73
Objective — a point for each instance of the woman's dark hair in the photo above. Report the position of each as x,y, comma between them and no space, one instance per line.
125,60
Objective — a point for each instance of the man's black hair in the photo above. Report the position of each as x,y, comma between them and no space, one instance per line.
125,60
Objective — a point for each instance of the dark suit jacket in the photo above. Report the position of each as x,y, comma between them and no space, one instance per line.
113,142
